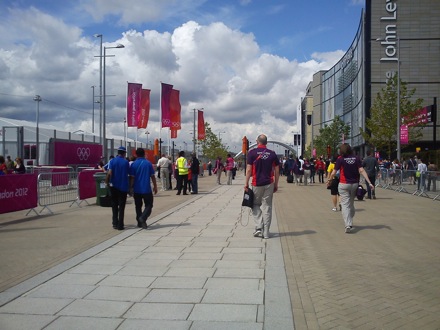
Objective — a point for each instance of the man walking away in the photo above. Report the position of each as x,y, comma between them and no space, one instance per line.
371,166
195,169
117,179
163,163
141,173
264,167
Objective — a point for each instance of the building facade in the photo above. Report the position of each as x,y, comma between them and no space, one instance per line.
391,34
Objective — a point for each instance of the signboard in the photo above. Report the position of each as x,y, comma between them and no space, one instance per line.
64,152
18,192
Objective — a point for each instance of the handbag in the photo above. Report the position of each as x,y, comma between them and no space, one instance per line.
329,184
417,174
248,198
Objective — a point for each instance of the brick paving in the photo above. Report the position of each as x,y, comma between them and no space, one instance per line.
384,275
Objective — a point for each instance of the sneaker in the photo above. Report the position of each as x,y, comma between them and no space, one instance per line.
347,230
334,209
257,233
266,236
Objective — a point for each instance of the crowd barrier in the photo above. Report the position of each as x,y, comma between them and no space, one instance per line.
409,181
45,187
18,192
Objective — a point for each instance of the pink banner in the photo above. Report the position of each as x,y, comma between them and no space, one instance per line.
165,105
175,109
422,116
67,153
133,104
18,192
86,184
145,109
404,138
201,134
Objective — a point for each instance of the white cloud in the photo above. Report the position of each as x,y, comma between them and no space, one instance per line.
243,90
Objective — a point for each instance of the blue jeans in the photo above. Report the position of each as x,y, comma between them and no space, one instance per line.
195,183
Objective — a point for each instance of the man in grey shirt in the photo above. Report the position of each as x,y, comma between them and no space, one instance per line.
371,166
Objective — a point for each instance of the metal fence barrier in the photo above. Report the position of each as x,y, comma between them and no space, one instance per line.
409,181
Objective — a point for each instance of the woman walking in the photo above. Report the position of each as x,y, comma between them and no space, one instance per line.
350,168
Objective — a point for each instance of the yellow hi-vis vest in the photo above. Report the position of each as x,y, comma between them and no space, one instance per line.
181,166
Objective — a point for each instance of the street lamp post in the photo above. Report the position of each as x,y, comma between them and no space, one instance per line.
100,88
194,130
93,109
146,132
104,142
398,99
38,99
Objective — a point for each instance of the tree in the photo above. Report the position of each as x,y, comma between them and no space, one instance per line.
331,136
383,117
211,145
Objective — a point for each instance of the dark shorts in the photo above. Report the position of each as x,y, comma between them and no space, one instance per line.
334,187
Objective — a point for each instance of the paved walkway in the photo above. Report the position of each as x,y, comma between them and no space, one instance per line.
384,275
198,267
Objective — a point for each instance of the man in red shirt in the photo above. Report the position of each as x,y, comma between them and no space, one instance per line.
263,166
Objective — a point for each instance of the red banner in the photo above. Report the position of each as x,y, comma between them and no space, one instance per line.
174,133
133,104
18,192
145,109
175,109
165,104
200,126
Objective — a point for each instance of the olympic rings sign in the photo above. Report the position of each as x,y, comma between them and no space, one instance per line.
83,153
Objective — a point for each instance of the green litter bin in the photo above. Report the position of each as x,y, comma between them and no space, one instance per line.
102,191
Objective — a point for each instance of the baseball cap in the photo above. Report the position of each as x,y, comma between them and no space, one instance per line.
122,149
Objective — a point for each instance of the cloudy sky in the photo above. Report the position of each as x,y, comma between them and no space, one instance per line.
246,62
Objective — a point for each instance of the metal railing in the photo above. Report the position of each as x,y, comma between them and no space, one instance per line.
409,181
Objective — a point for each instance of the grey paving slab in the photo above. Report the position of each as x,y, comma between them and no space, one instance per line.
179,282
29,305
76,322
132,324
234,296
231,283
118,293
237,273
77,279
69,291
189,263
244,256
143,270
190,271
175,296
28,322
254,264
224,312
96,308
201,255
200,325
159,311
129,281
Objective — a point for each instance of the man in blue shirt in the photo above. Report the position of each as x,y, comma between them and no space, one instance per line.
141,172
117,178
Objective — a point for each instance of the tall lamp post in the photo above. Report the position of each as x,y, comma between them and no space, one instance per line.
194,130
398,99
100,88
38,99
93,109
146,132
104,142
